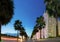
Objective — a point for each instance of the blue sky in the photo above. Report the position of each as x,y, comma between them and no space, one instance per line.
27,11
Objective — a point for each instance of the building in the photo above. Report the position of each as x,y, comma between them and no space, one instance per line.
51,25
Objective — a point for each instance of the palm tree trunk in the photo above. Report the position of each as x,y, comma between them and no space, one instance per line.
40,33
56,26
43,34
0,31
17,36
22,37
56,21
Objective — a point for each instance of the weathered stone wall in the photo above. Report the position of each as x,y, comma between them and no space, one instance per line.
52,26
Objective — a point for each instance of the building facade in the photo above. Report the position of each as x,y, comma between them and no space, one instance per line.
50,27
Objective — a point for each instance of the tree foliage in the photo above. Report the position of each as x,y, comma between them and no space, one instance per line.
6,11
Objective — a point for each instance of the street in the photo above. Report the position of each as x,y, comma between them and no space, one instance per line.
47,40
30,40
50,40
9,41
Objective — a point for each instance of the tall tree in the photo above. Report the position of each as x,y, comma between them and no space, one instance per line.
53,9
22,31
40,23
17,26
26,36
35,30
6,12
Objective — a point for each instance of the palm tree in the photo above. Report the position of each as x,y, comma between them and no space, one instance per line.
53,9
17,26
25,34
35,30
22,31
6,12
40,23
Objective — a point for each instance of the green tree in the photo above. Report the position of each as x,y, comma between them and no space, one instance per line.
53,9
18,26
6,12
40,23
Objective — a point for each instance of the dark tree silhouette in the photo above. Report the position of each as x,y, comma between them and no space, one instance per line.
6,12
35,30
40,23
17,26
